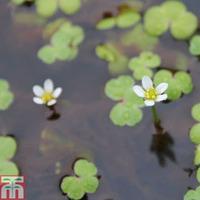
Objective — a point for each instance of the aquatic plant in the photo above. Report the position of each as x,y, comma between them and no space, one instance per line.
128,109
48,8
8,148
84,180
149,93
47,95
143,64
117,61
178,83
195,45
64,44
126,17
6,96
173,15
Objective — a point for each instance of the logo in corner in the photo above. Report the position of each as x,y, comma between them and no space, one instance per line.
12,188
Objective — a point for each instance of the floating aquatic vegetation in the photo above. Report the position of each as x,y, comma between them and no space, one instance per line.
84,180
6,96
149,93
8,148
195,45
139,38
127,111
64,44
193,194
47,8
126,17
117,60
171,14
143,65
47,95
179,83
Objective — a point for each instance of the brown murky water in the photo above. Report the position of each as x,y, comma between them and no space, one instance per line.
128,169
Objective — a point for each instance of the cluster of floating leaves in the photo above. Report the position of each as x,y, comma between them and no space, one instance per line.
126,17
84,181
64,44
172,15
117,61
143,64
195,138
6,96
178,83
8,148
195,45
47,8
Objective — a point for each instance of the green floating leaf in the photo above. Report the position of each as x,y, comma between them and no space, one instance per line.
197,155
150,59
106,23
116,88
8,168
125,114
195,45
192,194
6,96
70,6
198,175
18,2
196,112
195,134
8,147
47,54
90,184
84,168
139,73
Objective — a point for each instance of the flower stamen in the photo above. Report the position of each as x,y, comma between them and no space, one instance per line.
151,94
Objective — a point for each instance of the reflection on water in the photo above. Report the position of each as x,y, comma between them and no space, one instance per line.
128,170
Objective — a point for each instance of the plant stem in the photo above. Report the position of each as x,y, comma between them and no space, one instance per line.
155,115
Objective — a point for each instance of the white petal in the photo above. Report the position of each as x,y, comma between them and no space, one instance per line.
149,102
161,97
147,83
138,90
161,88
38,100
52,102
37,90
57,92
48,85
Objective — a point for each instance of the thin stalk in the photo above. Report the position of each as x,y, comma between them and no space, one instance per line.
156,119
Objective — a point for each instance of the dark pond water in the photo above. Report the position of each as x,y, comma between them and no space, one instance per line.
128,169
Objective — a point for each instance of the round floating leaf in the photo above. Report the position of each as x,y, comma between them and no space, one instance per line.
191,195
124,114
47,54
195,134
72,187
60,38
70,6
136,63
106,23
173,90
73,53
162,76
8,147
184,26
127,19
197,156
83,168
8,168
195,45
77,36
198,175
196,112
4,85
155,21
46,8
116,88
140,72
62,53
184,81
6,99
150,59
90,184
18,2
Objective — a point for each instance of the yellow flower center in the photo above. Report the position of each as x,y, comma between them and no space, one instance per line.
151,94
47,96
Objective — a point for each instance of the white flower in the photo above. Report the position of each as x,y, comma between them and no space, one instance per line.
46,95
149,93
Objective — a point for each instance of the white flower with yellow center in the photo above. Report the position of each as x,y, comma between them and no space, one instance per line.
149,93
46,95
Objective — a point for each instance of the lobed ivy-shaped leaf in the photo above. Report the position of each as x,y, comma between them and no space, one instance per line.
8,149
6,96
171,14
192,194
142,65
127,111
195,45
84,181
178,83
64,44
